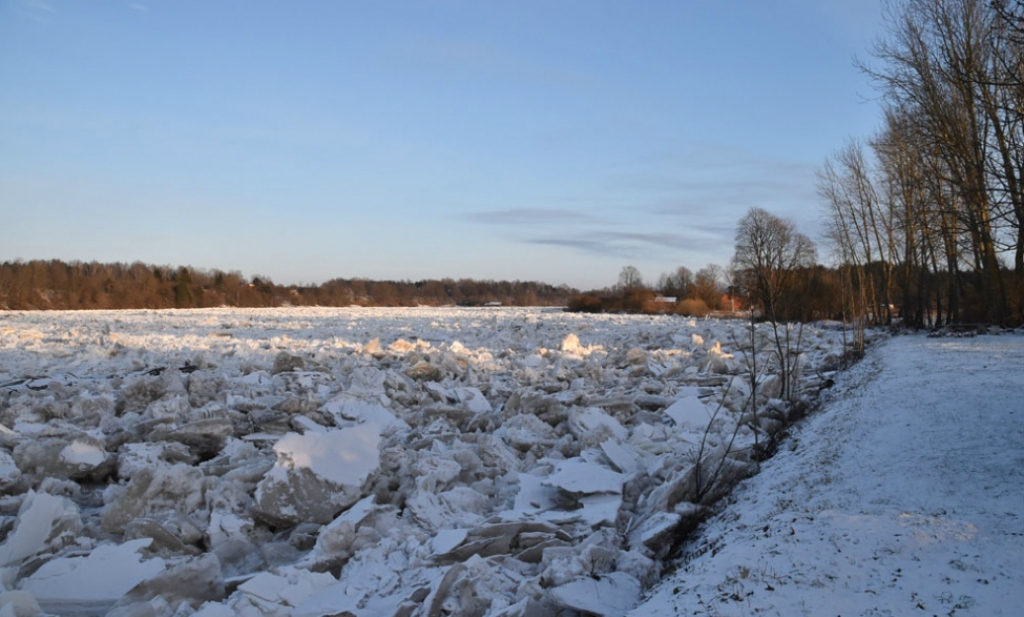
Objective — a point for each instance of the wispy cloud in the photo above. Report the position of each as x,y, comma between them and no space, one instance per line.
681,207
704,197
38,5
695,239
471,58
627,232
142,8
531,216
37,10
719,184
728,179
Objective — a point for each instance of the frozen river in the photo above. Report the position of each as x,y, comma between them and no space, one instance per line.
428,462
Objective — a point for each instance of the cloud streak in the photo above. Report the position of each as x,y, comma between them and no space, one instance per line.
531,216
475,58
630,245
672,208
38,5
719,188
37,10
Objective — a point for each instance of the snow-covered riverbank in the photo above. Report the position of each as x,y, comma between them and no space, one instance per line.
904,496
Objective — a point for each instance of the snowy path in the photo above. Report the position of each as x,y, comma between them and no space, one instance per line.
905,496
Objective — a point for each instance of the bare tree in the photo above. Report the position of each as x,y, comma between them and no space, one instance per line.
630,278
769,251
676,284
707,286
954,68
769,254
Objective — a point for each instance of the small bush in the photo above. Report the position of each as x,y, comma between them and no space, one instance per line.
693,307
585,303
638,300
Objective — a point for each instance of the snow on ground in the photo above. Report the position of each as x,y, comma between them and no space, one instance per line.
905,496
406,462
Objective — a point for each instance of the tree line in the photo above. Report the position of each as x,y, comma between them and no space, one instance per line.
799,291
680,291
75,285
926,214
775,276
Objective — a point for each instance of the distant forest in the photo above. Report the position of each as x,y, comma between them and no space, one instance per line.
58,285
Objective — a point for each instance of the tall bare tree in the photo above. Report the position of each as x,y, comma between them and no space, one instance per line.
677,284
770,255
954,67
630,278
769,252
707,286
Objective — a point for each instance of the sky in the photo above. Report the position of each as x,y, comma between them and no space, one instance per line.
553,140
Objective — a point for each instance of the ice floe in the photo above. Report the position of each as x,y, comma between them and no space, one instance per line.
396,463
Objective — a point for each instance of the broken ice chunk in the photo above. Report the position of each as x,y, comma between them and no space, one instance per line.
609,596
497,538
718,361
636,357
133,458
595,492
447,539
347,408
214,609
82,457
45,522
439,393
571,344
593,418
18,604
334,540
357,512
318,474
103,576
578,477
435,472
401,346
275,593
366,589
622,458
525,431
83,452
188,582
474,400
599,510
461,506
285,362
9,472
424,371
224,526
689,412
368,382
177,488
654,532
306,425
205,437
345,456
533,495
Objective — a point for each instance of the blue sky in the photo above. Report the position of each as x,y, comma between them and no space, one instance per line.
554,141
